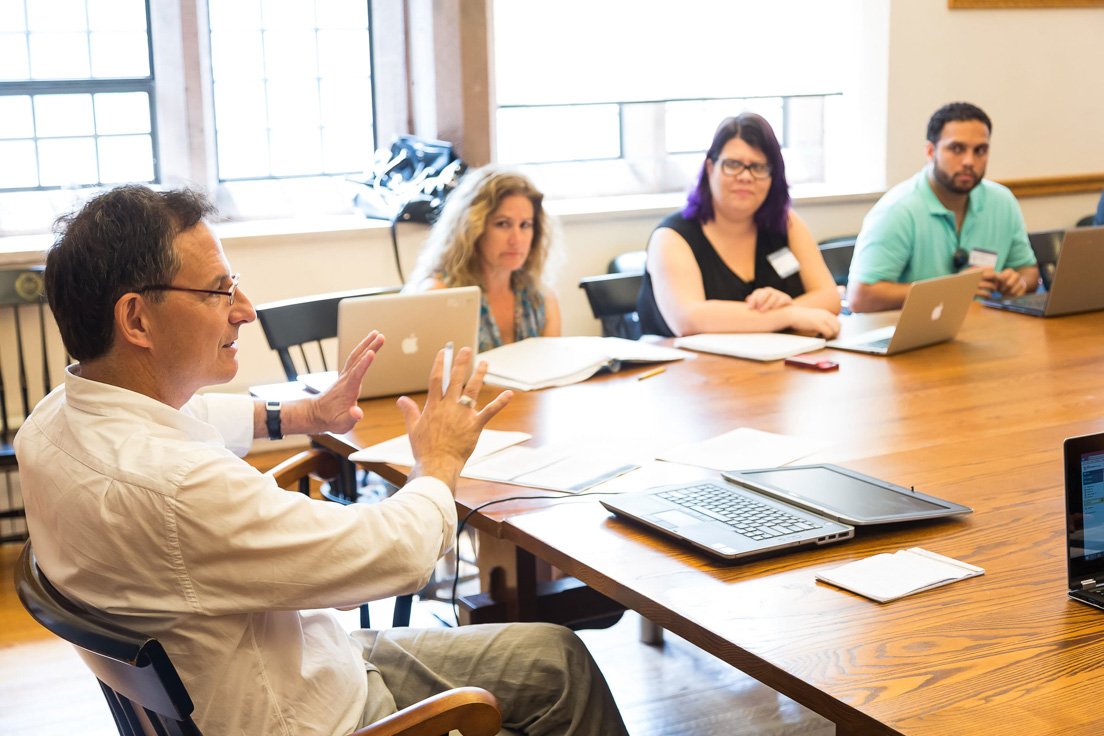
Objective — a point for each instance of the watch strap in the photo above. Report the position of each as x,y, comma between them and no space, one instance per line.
272,420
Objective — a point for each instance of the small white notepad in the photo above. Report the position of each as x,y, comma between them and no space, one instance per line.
751,345
886,577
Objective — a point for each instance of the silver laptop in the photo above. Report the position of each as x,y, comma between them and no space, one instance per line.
933,312
415,326
1076,284
726,520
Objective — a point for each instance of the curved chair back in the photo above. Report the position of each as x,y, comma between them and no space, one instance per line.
143,690
612,300
837,253
296,323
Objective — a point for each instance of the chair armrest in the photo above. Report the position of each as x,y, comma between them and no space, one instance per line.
470,710
319,463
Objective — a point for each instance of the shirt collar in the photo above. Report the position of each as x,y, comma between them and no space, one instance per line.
105,399
974,205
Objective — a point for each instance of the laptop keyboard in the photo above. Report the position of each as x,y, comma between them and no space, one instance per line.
751,518
882,344
1036,299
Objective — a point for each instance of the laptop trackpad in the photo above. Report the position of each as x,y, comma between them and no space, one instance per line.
673,519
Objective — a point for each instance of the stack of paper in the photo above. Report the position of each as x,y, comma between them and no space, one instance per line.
542,362
752,345
744,449
886,577
397,451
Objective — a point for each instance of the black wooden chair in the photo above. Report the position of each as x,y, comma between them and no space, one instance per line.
25,377
837,253
612,300
147,697
1086,221
1046,245
300,325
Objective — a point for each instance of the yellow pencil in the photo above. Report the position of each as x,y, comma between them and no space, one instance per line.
649,374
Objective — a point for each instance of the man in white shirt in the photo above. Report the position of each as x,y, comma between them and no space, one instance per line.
139,505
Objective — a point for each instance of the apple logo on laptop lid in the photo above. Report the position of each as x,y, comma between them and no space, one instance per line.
937,312
410,344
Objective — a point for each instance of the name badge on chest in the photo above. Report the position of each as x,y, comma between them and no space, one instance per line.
983,258
784,262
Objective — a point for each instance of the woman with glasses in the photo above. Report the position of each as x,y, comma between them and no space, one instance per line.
493,233
737,258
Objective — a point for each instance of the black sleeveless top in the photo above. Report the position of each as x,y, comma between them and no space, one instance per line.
717,278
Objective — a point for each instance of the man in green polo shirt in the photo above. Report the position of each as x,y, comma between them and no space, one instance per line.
944,219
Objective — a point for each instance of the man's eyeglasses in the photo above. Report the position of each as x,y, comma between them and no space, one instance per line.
229,293
732,167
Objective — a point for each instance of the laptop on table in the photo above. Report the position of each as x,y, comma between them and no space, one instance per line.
933,312
775,509
1076,284
1084,465
415,326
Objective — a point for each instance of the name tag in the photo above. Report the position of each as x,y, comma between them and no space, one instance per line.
785,262
983,258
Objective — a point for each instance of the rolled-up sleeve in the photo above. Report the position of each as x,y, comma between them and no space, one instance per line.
230,414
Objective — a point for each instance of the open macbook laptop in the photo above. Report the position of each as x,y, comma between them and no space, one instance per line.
1075,286
1084,464
415,326
933,312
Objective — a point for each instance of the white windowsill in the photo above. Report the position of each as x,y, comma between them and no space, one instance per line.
22,250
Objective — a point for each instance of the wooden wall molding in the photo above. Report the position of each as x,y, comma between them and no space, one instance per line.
1044,186
953,4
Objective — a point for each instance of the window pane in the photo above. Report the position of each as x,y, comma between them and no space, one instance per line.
296,152
122,54
67,161
346,150
56,15
13,56
242,155
690,124
59,56
117,15
342,14
240,106
237,55
342,53
20,170
290,54
234,14
12,16
126,158
122,112
16,120
287,13
569,133
347,101
293,103
59,115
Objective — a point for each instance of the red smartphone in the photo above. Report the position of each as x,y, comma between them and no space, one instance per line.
813,363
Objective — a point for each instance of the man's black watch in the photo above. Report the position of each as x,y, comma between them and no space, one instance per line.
272,420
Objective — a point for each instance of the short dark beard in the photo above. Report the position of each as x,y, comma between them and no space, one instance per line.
947,181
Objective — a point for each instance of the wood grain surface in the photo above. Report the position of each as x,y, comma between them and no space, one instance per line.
978,421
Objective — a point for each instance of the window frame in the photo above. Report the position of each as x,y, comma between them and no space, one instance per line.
91,86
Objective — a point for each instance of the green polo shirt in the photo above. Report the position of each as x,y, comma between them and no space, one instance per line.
909,235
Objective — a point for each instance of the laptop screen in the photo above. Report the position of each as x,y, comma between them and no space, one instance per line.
1084,461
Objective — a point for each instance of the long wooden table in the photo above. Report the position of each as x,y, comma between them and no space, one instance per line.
978,421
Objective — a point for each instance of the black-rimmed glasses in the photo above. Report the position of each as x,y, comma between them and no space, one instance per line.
732,167
229,293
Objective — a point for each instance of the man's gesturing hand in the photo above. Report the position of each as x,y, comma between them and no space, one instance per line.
443,433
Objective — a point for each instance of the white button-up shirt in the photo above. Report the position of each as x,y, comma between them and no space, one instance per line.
146,514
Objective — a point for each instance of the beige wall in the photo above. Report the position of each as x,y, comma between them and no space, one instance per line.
1034,71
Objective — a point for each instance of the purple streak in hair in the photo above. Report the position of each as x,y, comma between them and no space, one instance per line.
756,132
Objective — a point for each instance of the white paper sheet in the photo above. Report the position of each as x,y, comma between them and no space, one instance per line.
572,466
744,449
397,451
